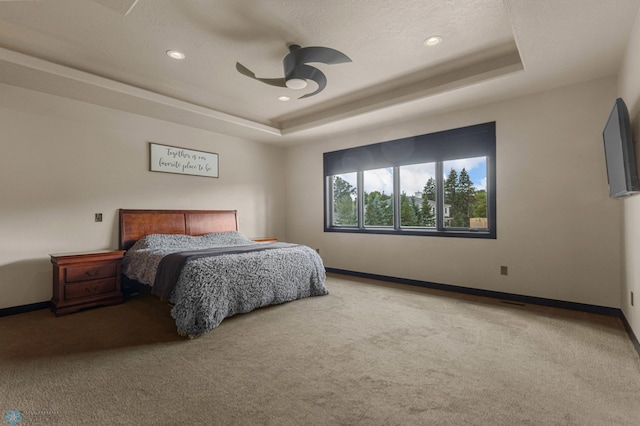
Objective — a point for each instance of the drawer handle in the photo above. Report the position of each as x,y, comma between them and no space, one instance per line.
88,290
89,274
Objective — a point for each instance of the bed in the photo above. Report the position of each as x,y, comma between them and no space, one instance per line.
199,262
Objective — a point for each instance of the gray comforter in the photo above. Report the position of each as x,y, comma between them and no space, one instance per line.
210,289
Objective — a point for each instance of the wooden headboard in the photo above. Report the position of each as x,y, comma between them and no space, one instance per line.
135,224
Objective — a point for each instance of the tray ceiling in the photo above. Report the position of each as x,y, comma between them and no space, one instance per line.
113,53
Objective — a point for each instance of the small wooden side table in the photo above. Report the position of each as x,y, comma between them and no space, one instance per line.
83,280
266,240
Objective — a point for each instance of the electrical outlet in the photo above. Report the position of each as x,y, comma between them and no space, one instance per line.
98,217
504,270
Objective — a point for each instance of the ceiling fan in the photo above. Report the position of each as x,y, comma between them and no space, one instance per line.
296,70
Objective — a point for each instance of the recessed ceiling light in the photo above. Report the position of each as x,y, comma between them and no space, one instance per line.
284,98
176,54
433,40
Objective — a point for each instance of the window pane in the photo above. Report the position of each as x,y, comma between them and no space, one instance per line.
465,193
418,195
345,199
378,197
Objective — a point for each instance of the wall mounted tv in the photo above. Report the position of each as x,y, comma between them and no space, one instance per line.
619,152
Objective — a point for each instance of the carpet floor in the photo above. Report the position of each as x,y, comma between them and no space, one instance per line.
369,353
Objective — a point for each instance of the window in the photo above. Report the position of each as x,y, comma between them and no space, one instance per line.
439,184
378,197
418,195
344,200
465,194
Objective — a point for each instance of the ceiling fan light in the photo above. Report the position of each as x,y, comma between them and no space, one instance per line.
296,83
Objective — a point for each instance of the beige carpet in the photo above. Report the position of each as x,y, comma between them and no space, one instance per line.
366,354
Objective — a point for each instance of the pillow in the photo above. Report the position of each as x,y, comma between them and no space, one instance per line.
188,242
231,238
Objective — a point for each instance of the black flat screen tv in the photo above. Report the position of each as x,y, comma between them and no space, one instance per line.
619,152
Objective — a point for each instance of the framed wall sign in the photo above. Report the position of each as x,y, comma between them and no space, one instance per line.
173,159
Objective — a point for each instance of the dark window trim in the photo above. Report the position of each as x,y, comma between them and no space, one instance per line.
466,142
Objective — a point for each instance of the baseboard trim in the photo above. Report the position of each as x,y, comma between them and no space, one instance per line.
632,336
14,310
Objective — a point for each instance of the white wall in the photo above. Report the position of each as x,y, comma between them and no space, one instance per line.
61,161
629,90
558,231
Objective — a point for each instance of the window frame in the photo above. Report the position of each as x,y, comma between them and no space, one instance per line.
466,142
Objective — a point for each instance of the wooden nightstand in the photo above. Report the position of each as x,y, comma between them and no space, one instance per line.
83,280
266,240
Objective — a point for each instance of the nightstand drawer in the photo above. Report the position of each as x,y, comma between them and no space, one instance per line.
89,288
91,272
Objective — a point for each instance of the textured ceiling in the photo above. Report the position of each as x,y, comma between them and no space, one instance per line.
112,53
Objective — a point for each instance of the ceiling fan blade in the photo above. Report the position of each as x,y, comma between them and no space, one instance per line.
278,82
302,55
306,72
